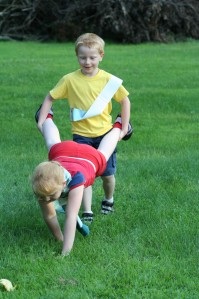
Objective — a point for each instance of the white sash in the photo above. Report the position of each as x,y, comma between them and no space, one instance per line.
100,103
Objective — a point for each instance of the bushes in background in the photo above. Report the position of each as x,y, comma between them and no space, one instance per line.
128,21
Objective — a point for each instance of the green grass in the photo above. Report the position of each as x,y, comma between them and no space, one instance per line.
149,247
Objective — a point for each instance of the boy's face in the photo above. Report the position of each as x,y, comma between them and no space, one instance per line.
89,59
56,194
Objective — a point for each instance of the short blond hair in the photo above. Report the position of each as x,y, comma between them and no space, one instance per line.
90,40
46,178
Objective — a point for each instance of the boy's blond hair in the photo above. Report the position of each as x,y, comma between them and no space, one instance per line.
90,40
47,177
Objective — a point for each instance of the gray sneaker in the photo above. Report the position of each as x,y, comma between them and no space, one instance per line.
107,207
87,218
38,112
130,127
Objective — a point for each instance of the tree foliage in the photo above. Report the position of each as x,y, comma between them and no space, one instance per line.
129,21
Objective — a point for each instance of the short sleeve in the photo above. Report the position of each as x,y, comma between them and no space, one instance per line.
77,180
120,94
60,91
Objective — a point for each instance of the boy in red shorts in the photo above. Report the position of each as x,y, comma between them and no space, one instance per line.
71,168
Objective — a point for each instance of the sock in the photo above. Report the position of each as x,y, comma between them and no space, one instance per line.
90,212
109,200
49,116
117,125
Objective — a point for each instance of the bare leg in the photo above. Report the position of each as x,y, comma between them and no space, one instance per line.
109,142
87,199
106,147
50,133
108,186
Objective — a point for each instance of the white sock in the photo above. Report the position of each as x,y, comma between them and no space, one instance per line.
110,200
88,212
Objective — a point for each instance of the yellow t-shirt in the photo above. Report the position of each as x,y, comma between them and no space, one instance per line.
81,91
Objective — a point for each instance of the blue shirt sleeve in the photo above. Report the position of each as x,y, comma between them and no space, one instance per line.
77,179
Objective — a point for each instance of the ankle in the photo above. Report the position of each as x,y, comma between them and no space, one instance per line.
117,125
110,200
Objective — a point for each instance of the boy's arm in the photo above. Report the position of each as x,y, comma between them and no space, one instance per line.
47,104
72,209
125,115
50,217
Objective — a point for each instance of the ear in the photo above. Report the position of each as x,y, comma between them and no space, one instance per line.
64,184
102,55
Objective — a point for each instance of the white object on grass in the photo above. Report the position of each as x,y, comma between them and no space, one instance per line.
7,284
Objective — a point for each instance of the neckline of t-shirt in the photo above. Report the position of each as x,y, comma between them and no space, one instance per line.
90,78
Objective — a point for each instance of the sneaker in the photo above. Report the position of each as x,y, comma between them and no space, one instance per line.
130,127
50,114
107,207
82,228
87,217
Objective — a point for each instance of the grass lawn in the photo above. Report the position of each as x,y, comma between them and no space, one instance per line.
149,247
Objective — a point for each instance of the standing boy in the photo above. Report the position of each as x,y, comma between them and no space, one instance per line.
81,88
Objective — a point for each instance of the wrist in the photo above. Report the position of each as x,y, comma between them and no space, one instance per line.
39,126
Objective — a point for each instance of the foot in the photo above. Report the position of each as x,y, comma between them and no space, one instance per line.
87,218
50,114
82,228
130,127
107,207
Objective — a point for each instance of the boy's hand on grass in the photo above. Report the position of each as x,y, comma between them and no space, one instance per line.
64,254
61,256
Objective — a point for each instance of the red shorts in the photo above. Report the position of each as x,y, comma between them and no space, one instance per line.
76,150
